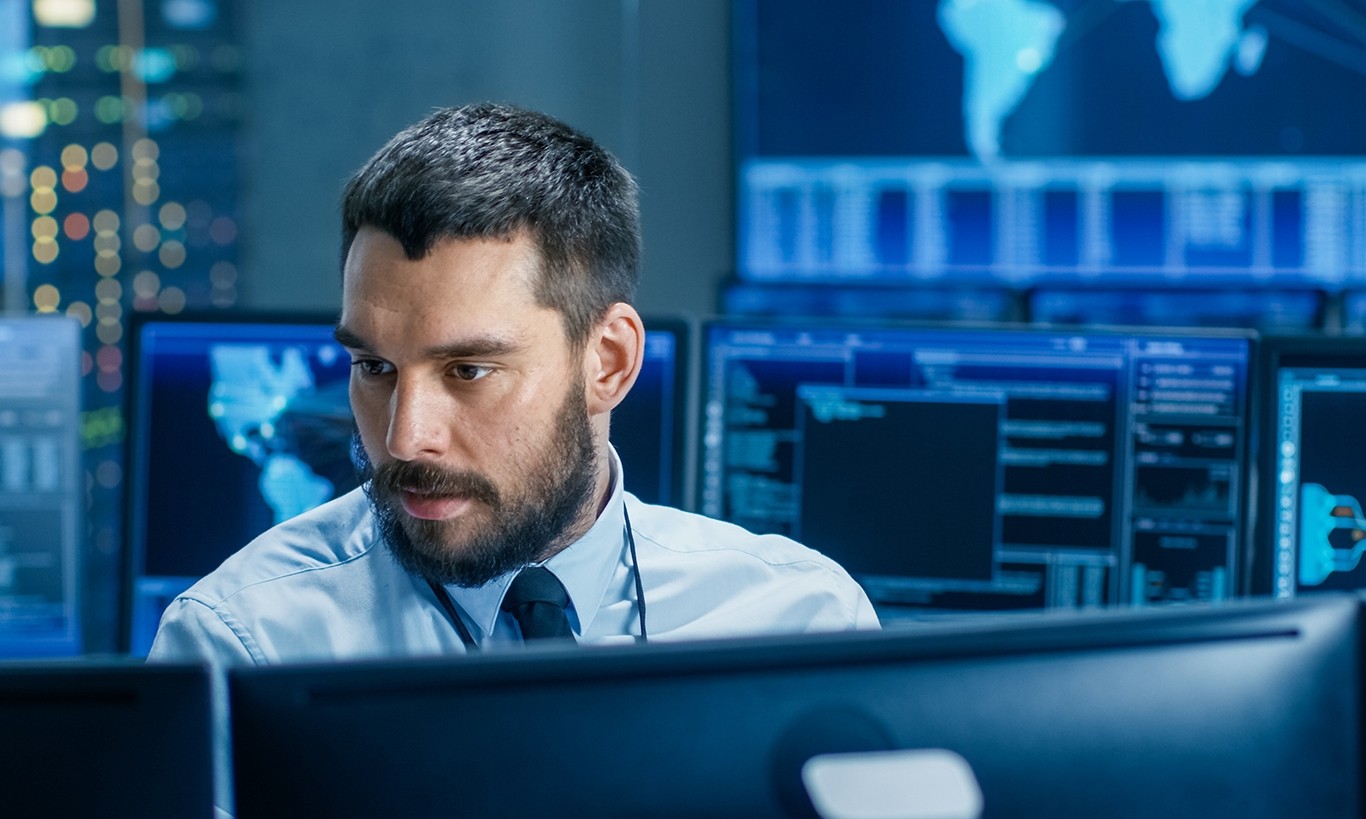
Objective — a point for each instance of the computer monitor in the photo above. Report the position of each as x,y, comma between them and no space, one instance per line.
1247,709
241,421
42,487
1068,143
956,469
236,423
1310,531
106,739
650,427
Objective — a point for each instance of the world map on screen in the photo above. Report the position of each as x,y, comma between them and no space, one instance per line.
260,401
1007,44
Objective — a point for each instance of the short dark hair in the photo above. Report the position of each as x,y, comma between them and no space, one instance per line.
489,171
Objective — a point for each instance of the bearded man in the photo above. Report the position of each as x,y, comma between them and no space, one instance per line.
489,259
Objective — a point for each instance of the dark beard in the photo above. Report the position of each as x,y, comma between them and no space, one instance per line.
524,529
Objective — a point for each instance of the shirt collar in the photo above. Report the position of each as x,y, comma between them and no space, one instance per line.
585,567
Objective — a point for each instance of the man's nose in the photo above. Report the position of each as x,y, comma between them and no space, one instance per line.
418,421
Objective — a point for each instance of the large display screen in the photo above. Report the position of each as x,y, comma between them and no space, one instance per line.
1022,142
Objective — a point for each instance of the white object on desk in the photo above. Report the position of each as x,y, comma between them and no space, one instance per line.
928,783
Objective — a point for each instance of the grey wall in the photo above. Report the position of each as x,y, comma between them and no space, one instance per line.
329,81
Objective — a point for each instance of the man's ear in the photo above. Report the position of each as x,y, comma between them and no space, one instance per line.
612,357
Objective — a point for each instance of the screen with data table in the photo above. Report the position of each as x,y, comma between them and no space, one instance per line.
42,486
957,469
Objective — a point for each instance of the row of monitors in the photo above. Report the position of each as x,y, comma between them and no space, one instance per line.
951,469
1262,308
1251,709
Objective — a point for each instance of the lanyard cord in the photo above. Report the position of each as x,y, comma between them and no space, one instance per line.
635,570
444,598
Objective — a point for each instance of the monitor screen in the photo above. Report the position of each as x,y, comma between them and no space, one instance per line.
649,428
106,739
240,422
235,424
1310,527
953,469
1159,143
1243,709
42,487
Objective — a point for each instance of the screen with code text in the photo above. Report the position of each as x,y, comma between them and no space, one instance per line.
956,469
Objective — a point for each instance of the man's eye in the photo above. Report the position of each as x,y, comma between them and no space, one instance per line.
470,372
369,366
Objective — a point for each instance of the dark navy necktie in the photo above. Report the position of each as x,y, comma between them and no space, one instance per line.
537,599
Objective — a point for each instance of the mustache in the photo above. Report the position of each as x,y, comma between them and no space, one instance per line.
388,480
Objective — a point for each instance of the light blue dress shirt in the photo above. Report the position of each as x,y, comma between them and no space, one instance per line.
324,587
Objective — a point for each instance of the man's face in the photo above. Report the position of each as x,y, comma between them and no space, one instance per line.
470,406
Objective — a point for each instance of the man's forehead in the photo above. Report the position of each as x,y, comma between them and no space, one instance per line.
377,264
375,242
486,287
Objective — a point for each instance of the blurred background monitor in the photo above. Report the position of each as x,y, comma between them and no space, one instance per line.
239,422
1246,710
955,469
106,739
42,487
650,427
1310,528
1064,144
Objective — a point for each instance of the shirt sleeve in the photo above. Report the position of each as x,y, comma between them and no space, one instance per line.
193,632
865,616
856,609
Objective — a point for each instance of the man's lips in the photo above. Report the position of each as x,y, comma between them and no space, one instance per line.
432,507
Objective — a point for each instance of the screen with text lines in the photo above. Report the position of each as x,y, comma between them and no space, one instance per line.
954,469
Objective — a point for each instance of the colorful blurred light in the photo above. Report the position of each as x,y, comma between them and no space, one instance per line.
64,13
23,120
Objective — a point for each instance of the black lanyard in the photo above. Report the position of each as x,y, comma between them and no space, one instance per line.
444,598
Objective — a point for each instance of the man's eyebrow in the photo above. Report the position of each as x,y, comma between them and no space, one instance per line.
346,338
475,347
